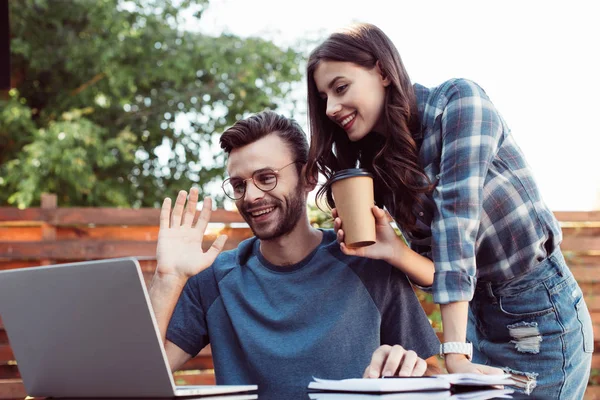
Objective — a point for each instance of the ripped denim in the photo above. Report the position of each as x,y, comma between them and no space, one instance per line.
537,328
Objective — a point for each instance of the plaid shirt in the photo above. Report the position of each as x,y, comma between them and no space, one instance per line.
485,220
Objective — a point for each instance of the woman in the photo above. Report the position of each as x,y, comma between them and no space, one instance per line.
448,170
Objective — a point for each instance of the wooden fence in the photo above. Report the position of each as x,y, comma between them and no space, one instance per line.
48,235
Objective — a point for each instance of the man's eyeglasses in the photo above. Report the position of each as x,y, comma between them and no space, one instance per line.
264,179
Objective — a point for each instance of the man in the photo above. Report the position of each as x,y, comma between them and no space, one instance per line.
287,304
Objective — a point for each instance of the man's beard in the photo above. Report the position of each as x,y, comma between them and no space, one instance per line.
293,209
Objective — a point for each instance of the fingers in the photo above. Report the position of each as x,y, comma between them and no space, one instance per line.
396,357
179,217
389,361
337,224
334,213
411,365
339,233
216,247
176,216
381,217
347,250
204,218
165,213
420,367
190,211
486,369
375,368
407,362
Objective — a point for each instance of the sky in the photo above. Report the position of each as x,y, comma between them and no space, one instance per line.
538,61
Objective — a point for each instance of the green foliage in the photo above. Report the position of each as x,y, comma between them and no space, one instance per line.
319,218
103,87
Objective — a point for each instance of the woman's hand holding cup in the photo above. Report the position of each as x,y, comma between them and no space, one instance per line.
387,244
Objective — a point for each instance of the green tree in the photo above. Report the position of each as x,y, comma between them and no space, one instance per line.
102,87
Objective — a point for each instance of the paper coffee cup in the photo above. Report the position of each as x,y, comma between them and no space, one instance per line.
352,191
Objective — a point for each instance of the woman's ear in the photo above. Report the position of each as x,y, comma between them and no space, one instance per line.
384,77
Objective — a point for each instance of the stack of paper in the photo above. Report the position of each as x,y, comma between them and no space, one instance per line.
412,384
427,395
384,385
477,379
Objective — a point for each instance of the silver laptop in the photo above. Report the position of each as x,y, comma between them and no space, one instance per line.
87,330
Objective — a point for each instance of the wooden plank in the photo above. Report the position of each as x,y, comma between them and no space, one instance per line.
593,303
48,202
196,378
592,393
581,244
12,389
590,289
16,264
581,231
586,275
6,354
75,249
143,233
577,216
86,249
100,216
147,265
596,324
588,260
198,363
20,234
9,372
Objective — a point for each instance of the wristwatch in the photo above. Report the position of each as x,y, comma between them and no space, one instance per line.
465,348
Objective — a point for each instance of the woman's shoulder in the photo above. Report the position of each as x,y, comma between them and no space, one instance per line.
454,93
456,88
451,87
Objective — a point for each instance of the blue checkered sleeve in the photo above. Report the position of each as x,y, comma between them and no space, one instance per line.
470,132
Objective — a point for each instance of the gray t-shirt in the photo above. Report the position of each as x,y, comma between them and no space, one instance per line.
277,327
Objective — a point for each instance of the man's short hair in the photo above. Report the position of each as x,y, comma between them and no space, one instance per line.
264,123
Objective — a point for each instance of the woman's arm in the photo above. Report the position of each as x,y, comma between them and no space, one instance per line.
455,317
390,248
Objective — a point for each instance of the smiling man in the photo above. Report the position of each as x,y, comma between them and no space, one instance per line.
287,304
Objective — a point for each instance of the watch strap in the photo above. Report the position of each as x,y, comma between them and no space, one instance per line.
465,348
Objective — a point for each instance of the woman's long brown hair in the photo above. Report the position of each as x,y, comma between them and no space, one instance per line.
391,156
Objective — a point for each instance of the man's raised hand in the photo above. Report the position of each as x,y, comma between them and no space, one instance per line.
179,250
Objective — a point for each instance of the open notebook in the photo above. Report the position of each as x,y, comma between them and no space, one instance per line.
87,330
426,395
411,384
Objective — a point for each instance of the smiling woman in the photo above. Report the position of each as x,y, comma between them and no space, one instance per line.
448,169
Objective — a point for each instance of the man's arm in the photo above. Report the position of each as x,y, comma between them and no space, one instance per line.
179,256
164,293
